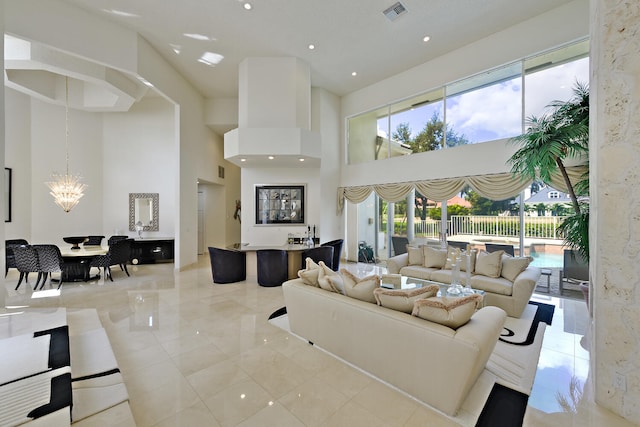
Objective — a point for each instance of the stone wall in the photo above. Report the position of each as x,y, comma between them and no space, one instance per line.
615,204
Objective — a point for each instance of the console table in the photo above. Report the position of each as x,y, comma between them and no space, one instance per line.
152,249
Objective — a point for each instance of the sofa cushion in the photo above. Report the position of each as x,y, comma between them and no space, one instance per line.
403,299
451,312
416,256
433,257
513,266
496,285
330,280
418,271
310,275
489,264
360,288
444,276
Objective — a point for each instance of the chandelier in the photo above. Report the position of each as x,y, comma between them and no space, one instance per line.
66,189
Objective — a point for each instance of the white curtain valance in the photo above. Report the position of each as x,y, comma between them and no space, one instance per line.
496,187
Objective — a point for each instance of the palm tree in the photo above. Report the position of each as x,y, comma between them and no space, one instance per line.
551,138
548,141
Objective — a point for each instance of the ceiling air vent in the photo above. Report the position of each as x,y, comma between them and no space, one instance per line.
394,11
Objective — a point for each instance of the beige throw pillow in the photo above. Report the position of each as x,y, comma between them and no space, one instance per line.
513,266
403,299
310,275
433,257
415,255
358,288
330,280
489,264
451,312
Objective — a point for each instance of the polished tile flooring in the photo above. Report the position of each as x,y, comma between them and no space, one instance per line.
197,354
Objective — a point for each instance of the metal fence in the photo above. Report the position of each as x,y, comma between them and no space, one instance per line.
544,227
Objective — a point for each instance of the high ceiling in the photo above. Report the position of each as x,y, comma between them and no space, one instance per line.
349,36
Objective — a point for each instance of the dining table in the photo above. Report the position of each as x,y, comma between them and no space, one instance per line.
77,262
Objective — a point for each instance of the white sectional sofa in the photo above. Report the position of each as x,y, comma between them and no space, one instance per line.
508,285
431,362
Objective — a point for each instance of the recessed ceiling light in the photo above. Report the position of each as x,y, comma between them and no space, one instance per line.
301,159
197,36
271,157
312,46
426,39
354,74
243,160
121,13
247,6
210,58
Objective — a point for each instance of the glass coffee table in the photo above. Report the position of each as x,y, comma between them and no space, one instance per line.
397,281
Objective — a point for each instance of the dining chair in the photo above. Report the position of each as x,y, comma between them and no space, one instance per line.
115,238
337,252
119,254
26,262
51,261
10,260
399,244
93,241
273,267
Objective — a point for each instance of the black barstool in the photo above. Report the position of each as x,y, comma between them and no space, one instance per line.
228,266
273,267
337,252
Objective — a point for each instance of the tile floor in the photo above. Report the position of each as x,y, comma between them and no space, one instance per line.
197,354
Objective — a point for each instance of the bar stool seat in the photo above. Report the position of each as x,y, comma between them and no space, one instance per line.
273,267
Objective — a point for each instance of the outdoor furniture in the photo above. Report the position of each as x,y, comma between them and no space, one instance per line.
492,247
575,269
337,252
228,266
317,254
399,244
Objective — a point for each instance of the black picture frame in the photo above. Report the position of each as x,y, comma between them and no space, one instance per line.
7,194
280,204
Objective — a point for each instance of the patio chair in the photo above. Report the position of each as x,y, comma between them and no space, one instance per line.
575,269
492,247
399,244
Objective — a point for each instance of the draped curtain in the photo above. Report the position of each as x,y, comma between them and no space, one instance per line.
496,187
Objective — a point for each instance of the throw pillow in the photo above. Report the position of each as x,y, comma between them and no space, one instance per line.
415,255
330,280
434,258
310,275
403,299
512,266
358,288
489,264
451,312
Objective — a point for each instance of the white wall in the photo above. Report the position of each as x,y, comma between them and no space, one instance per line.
2,130
138,156
18,158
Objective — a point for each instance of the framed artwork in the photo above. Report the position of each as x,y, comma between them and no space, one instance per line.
280,204
7,194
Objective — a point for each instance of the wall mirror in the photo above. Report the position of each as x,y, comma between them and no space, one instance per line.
143,210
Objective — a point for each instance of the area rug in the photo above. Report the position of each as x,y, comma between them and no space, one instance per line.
522,331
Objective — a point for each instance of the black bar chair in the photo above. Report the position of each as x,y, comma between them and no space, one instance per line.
273,267
317,254
228,266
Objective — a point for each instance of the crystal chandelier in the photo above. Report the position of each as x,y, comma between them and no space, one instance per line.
66,189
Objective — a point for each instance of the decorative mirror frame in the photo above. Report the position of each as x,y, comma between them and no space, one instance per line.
155,197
